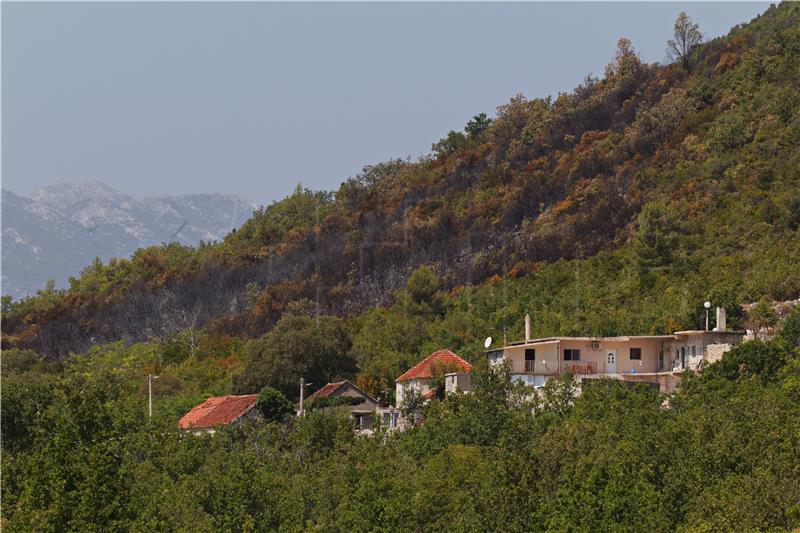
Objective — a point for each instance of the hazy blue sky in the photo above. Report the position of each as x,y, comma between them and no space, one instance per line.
252,98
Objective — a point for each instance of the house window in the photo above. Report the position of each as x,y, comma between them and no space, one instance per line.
571,354
636,354
531,381
694,350
495,356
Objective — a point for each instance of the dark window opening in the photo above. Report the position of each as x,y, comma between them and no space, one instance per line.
636,354
571,354
530,360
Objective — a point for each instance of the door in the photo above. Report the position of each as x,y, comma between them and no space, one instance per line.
611,361
530,360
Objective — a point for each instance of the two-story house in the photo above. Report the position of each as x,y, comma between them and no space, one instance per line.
655,359
424,377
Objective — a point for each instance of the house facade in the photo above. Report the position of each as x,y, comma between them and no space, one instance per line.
424,377
363,412
654,359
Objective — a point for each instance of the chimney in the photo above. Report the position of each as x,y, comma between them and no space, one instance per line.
721,326
527,328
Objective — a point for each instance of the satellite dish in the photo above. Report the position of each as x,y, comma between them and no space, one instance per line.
487,342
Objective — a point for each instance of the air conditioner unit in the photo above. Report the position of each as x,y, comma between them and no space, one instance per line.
595,345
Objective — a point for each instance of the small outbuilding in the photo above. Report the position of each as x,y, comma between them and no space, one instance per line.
362,405
218,411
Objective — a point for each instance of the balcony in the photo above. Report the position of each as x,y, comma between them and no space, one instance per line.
577,367
551,369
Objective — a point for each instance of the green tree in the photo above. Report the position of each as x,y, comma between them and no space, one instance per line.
315,348
656,237
687,39
454,141
424,291
789,334
756,359
762,315
477,126
274,406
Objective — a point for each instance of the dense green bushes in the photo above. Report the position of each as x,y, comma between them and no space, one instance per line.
723,456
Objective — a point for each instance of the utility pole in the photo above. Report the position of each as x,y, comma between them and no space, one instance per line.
302,394
150,378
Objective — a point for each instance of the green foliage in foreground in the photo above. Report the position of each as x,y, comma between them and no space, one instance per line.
273,405
333,401
722,454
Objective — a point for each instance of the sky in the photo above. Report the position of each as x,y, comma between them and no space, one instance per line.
254,98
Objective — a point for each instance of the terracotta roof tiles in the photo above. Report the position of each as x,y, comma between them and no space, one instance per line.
445,358
218,410
327,390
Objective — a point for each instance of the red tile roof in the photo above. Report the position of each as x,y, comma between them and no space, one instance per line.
445,358
430,395
332,388
327,390
218,410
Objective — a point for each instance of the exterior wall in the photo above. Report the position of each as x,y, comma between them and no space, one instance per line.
457,381
667,353
546,358
367,406
390,417
362,413
690,348
422,386
667,381
593,360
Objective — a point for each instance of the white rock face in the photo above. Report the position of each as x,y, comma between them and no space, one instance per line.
58,230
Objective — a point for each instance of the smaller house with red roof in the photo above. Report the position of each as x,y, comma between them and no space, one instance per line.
424,377
363,411
218,411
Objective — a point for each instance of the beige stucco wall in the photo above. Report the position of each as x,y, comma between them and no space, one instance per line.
549,354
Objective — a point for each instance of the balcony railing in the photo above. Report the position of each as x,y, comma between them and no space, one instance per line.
577,367
551,368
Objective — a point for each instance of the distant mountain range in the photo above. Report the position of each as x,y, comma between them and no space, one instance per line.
58,230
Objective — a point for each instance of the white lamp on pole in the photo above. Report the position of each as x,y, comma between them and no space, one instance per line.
707,305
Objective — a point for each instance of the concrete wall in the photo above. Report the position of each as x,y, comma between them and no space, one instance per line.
457,381
700,345
422,386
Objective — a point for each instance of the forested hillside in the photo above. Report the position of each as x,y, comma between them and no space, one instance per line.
618,208
625,202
